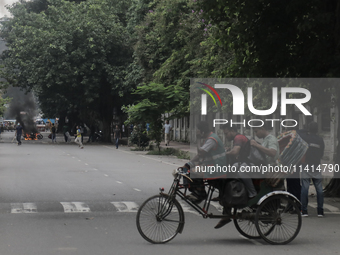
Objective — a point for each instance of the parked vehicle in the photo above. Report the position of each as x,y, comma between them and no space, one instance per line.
98,136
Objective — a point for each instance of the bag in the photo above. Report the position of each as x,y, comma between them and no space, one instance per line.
256,156
50,136
235,194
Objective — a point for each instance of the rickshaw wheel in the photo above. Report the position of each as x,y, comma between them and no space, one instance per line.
159,219
278,219
246,226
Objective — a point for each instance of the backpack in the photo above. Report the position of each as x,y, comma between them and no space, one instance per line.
235,194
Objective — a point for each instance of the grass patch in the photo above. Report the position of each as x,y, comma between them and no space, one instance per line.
170,152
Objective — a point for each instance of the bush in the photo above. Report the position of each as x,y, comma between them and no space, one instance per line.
141,139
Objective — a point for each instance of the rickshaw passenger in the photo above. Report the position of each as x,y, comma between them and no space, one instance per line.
238,155
270,147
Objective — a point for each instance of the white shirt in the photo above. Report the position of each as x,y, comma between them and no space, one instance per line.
167,128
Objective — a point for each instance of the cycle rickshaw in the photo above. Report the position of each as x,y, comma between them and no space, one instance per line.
275,218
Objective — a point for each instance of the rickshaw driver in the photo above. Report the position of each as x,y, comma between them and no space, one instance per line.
211,153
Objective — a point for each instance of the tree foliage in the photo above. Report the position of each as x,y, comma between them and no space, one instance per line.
157,99
73,55
283,39
3,102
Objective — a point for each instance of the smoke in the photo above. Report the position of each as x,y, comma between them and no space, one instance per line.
22,108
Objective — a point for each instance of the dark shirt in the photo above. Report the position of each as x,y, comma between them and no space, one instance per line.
117,133
65,129
316,148
53,130
19,130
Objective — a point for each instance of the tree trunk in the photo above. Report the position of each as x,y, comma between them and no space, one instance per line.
107,129
106,104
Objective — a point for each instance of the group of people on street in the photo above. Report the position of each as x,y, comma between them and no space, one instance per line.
211,151
81,131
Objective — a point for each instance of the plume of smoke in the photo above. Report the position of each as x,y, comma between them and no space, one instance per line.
22,108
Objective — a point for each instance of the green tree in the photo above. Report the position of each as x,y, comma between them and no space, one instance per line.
157,99
73,55
3,102
282,39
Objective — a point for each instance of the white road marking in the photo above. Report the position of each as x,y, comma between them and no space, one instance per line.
75,207
137,189
86,164
94,169
217,206
126,206
23,208
325,206
119,182
251,240
187,208
106,175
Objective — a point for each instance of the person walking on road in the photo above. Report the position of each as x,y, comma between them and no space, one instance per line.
54,138
65,132
78,138
167,129
117,135
18,133
316,147
81,127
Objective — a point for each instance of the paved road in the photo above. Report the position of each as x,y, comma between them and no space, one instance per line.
59,199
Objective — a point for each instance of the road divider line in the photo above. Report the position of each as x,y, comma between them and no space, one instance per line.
75,207
137,189
126,206
187,208
23,208
217,206
327,206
